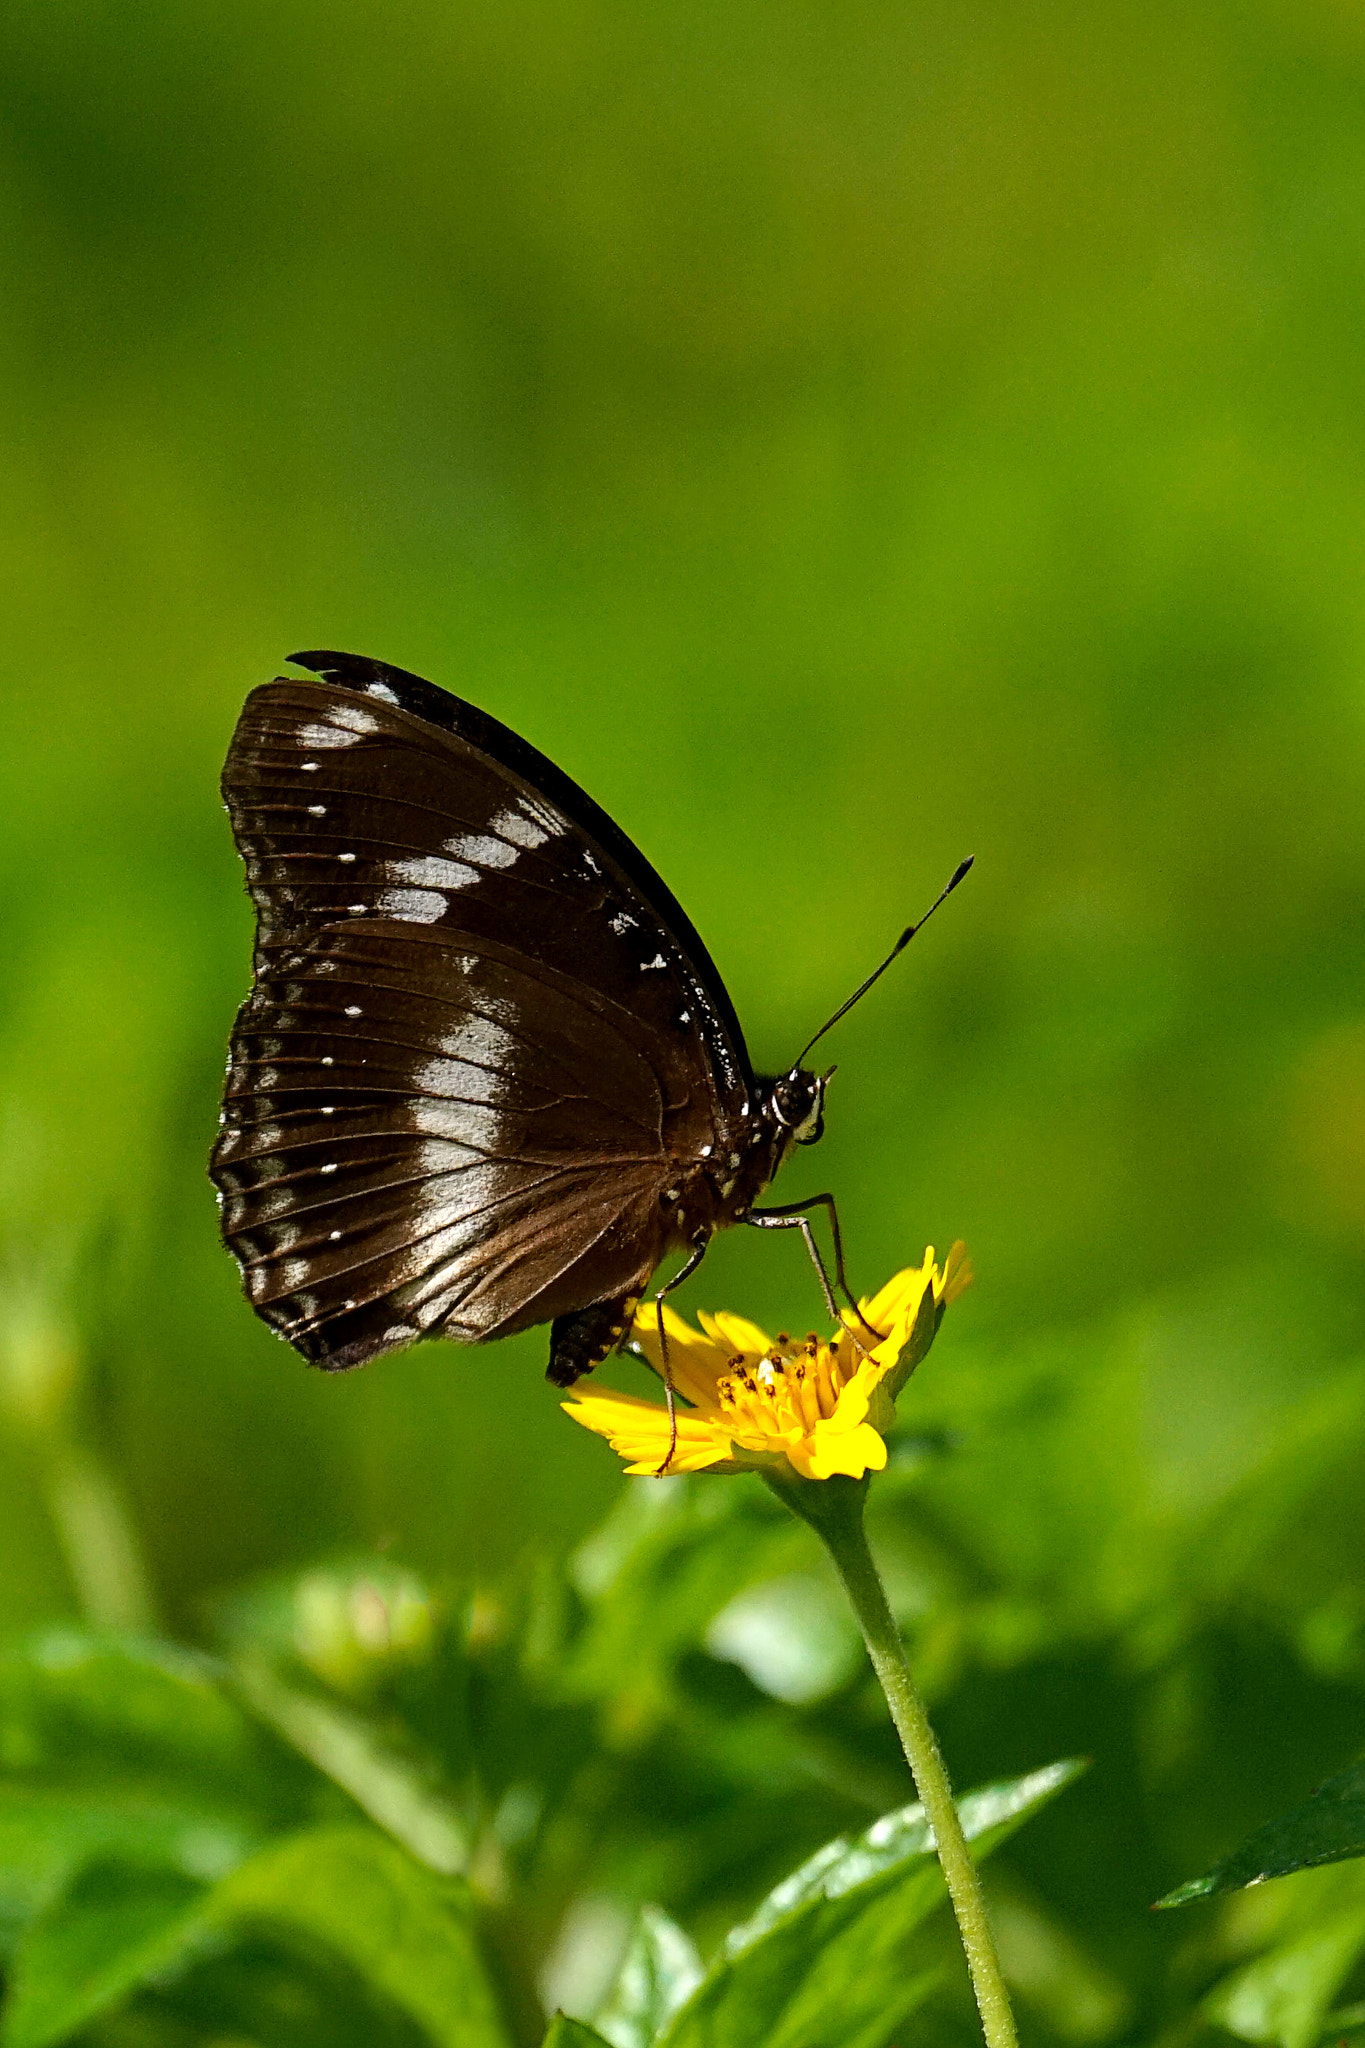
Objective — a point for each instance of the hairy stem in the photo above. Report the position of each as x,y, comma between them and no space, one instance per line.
834,1509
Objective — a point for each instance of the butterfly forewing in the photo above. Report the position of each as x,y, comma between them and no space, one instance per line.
482,1035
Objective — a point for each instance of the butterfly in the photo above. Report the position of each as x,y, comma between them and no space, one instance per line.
488,1075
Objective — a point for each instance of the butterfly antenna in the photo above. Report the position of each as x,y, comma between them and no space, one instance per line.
959,872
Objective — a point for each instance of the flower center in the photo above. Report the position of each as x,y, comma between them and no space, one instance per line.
792,1389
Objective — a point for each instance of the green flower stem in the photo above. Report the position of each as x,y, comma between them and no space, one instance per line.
834,1509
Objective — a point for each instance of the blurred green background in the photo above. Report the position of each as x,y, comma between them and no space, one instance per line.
845,438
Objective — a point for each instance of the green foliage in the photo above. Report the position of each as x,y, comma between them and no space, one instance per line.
118,1908
831,1950
567,2033
845,438
1328,1827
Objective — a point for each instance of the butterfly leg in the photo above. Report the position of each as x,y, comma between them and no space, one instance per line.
794,1217
690,1266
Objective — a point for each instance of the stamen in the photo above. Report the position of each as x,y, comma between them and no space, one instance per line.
807,1400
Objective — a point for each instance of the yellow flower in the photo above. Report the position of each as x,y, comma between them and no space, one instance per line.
753,1402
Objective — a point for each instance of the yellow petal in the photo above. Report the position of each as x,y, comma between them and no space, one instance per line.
957,1273
851,1407
639,1432
683,1459
694,1362
850,1452
900,1296
736,1333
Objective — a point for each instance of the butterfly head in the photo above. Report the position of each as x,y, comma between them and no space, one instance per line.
797,1105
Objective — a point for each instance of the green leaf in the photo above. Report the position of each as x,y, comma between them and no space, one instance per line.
74,1702
112,1929
567,2033
96,1715
828,1956
406,1931
1329,1827
46,1837
392,1788
1285,1996
660,1970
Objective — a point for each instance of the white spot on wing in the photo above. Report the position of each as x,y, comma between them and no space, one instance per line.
317,810
413,906
331,1167
346,856
657,961
425,871
347,724
520,827
623,922
382,691
488,853
353,1009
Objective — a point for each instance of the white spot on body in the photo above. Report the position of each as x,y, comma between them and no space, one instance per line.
328,1061
333,1236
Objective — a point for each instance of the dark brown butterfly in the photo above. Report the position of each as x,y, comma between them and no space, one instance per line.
488,1075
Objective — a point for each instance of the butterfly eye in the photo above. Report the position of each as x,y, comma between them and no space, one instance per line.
799,1106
